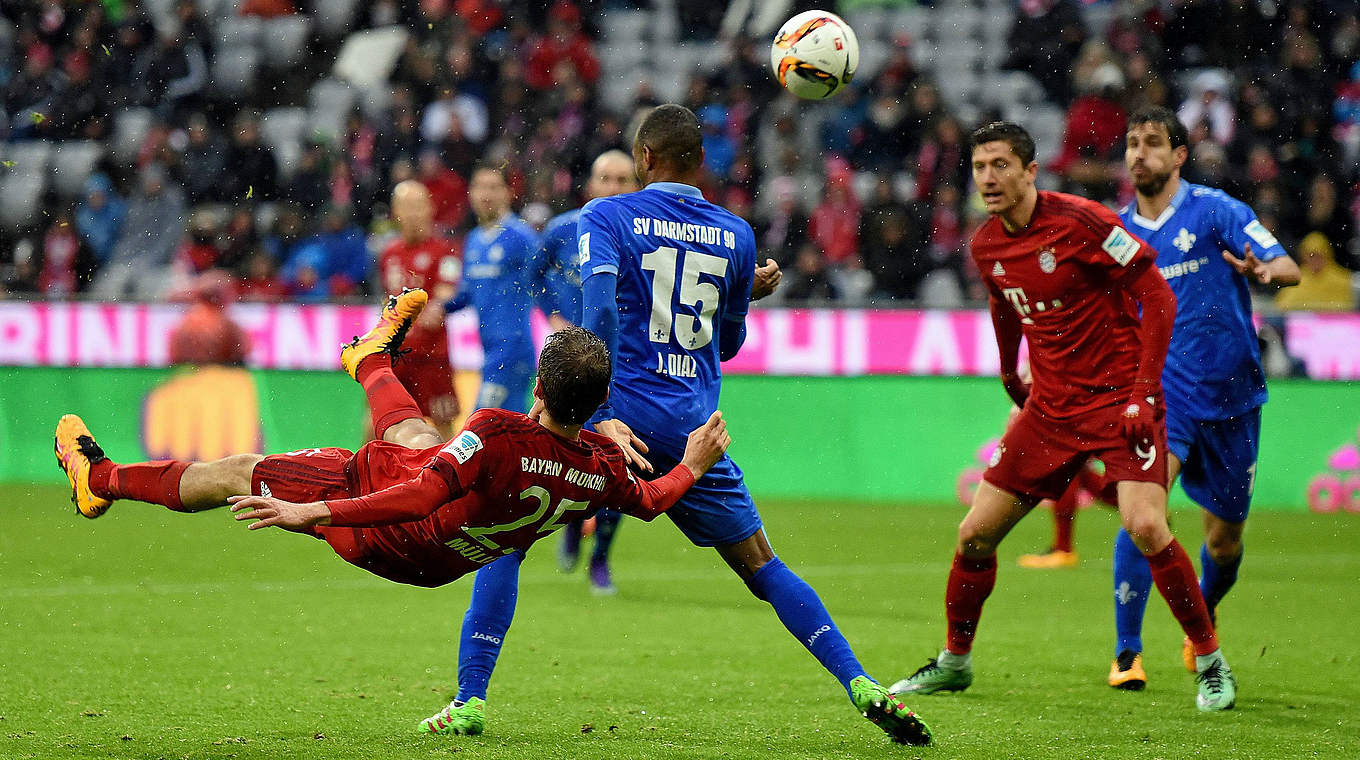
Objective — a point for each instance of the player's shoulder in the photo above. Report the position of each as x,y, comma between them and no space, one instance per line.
562,223
1213,201
491,422
1078,213
603,449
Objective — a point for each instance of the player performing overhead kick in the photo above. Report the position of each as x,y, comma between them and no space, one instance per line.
410,507
667,280
1064,274
1208,246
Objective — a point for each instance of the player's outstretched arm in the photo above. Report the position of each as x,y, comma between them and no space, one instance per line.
1281,270
267,511
706,445
414,499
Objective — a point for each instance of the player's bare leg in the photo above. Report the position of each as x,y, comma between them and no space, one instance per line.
804,615
1142,511
205,485
396,417
971,579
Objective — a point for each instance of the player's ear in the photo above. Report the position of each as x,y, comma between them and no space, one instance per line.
538,392
1180,155
1032,171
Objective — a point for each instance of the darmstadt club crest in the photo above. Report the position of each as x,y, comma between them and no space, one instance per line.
1047,261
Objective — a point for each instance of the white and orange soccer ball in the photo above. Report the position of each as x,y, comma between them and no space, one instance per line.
814,54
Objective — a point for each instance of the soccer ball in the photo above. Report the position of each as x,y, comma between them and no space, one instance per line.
814,54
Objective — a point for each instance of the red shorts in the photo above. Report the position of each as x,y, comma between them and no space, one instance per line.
430,382
1039,456
314,475
320,474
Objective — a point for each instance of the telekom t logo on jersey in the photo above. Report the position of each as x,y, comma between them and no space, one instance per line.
1024,307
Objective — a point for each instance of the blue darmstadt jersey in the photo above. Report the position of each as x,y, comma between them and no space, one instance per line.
561,261
684,266
1213,368
501,279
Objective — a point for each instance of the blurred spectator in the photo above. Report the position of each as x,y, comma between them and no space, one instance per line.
1207,110
79,109
310,187
1323,213
783,226
1323,285
897,257
719,150
99,217
237,239
563,48
151,232
267,8
202,165
173,73
29,94
471,123
1091,156
447,189
1044,41
945,158
65,262
198,253
834,225
207,335
261,281
808,280
333,262
254,173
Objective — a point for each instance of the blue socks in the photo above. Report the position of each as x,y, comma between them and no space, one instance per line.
1132,582
606,525
495,589
803,614
1216,579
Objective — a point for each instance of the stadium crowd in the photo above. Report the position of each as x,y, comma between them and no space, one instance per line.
862,199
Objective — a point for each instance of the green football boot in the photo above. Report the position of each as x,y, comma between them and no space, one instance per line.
458,718
930,678
1217,687
888,713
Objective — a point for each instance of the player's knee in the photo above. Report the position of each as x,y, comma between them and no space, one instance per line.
974,541
1147,528
1224,544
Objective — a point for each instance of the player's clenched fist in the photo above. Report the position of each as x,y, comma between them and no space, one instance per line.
1139,418
706,445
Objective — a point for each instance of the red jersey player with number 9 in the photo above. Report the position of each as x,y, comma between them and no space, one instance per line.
1064,274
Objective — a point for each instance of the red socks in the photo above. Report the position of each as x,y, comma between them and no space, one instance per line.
970,583
151,482
388,400
1064,514
1175,578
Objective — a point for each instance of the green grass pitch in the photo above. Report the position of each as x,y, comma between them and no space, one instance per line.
151,635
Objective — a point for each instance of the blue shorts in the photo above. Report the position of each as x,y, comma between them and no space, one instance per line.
506,387
717,510
1218,460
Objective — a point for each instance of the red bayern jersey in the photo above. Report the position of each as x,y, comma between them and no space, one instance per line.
428,264
1064,276
504,482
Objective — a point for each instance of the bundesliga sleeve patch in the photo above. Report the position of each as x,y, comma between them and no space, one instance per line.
464,446
1121,246
1258,232
583,249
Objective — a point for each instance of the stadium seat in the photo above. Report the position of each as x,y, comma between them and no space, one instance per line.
283,129
940,290
956,22
626,25
334,18
130,126
914,21
29,157
285,40
72,162
234,70
237,32
330,101
367,58
20,195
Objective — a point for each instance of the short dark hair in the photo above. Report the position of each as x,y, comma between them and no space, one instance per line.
1008,132
495,167
673,133
573,375
1175,130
